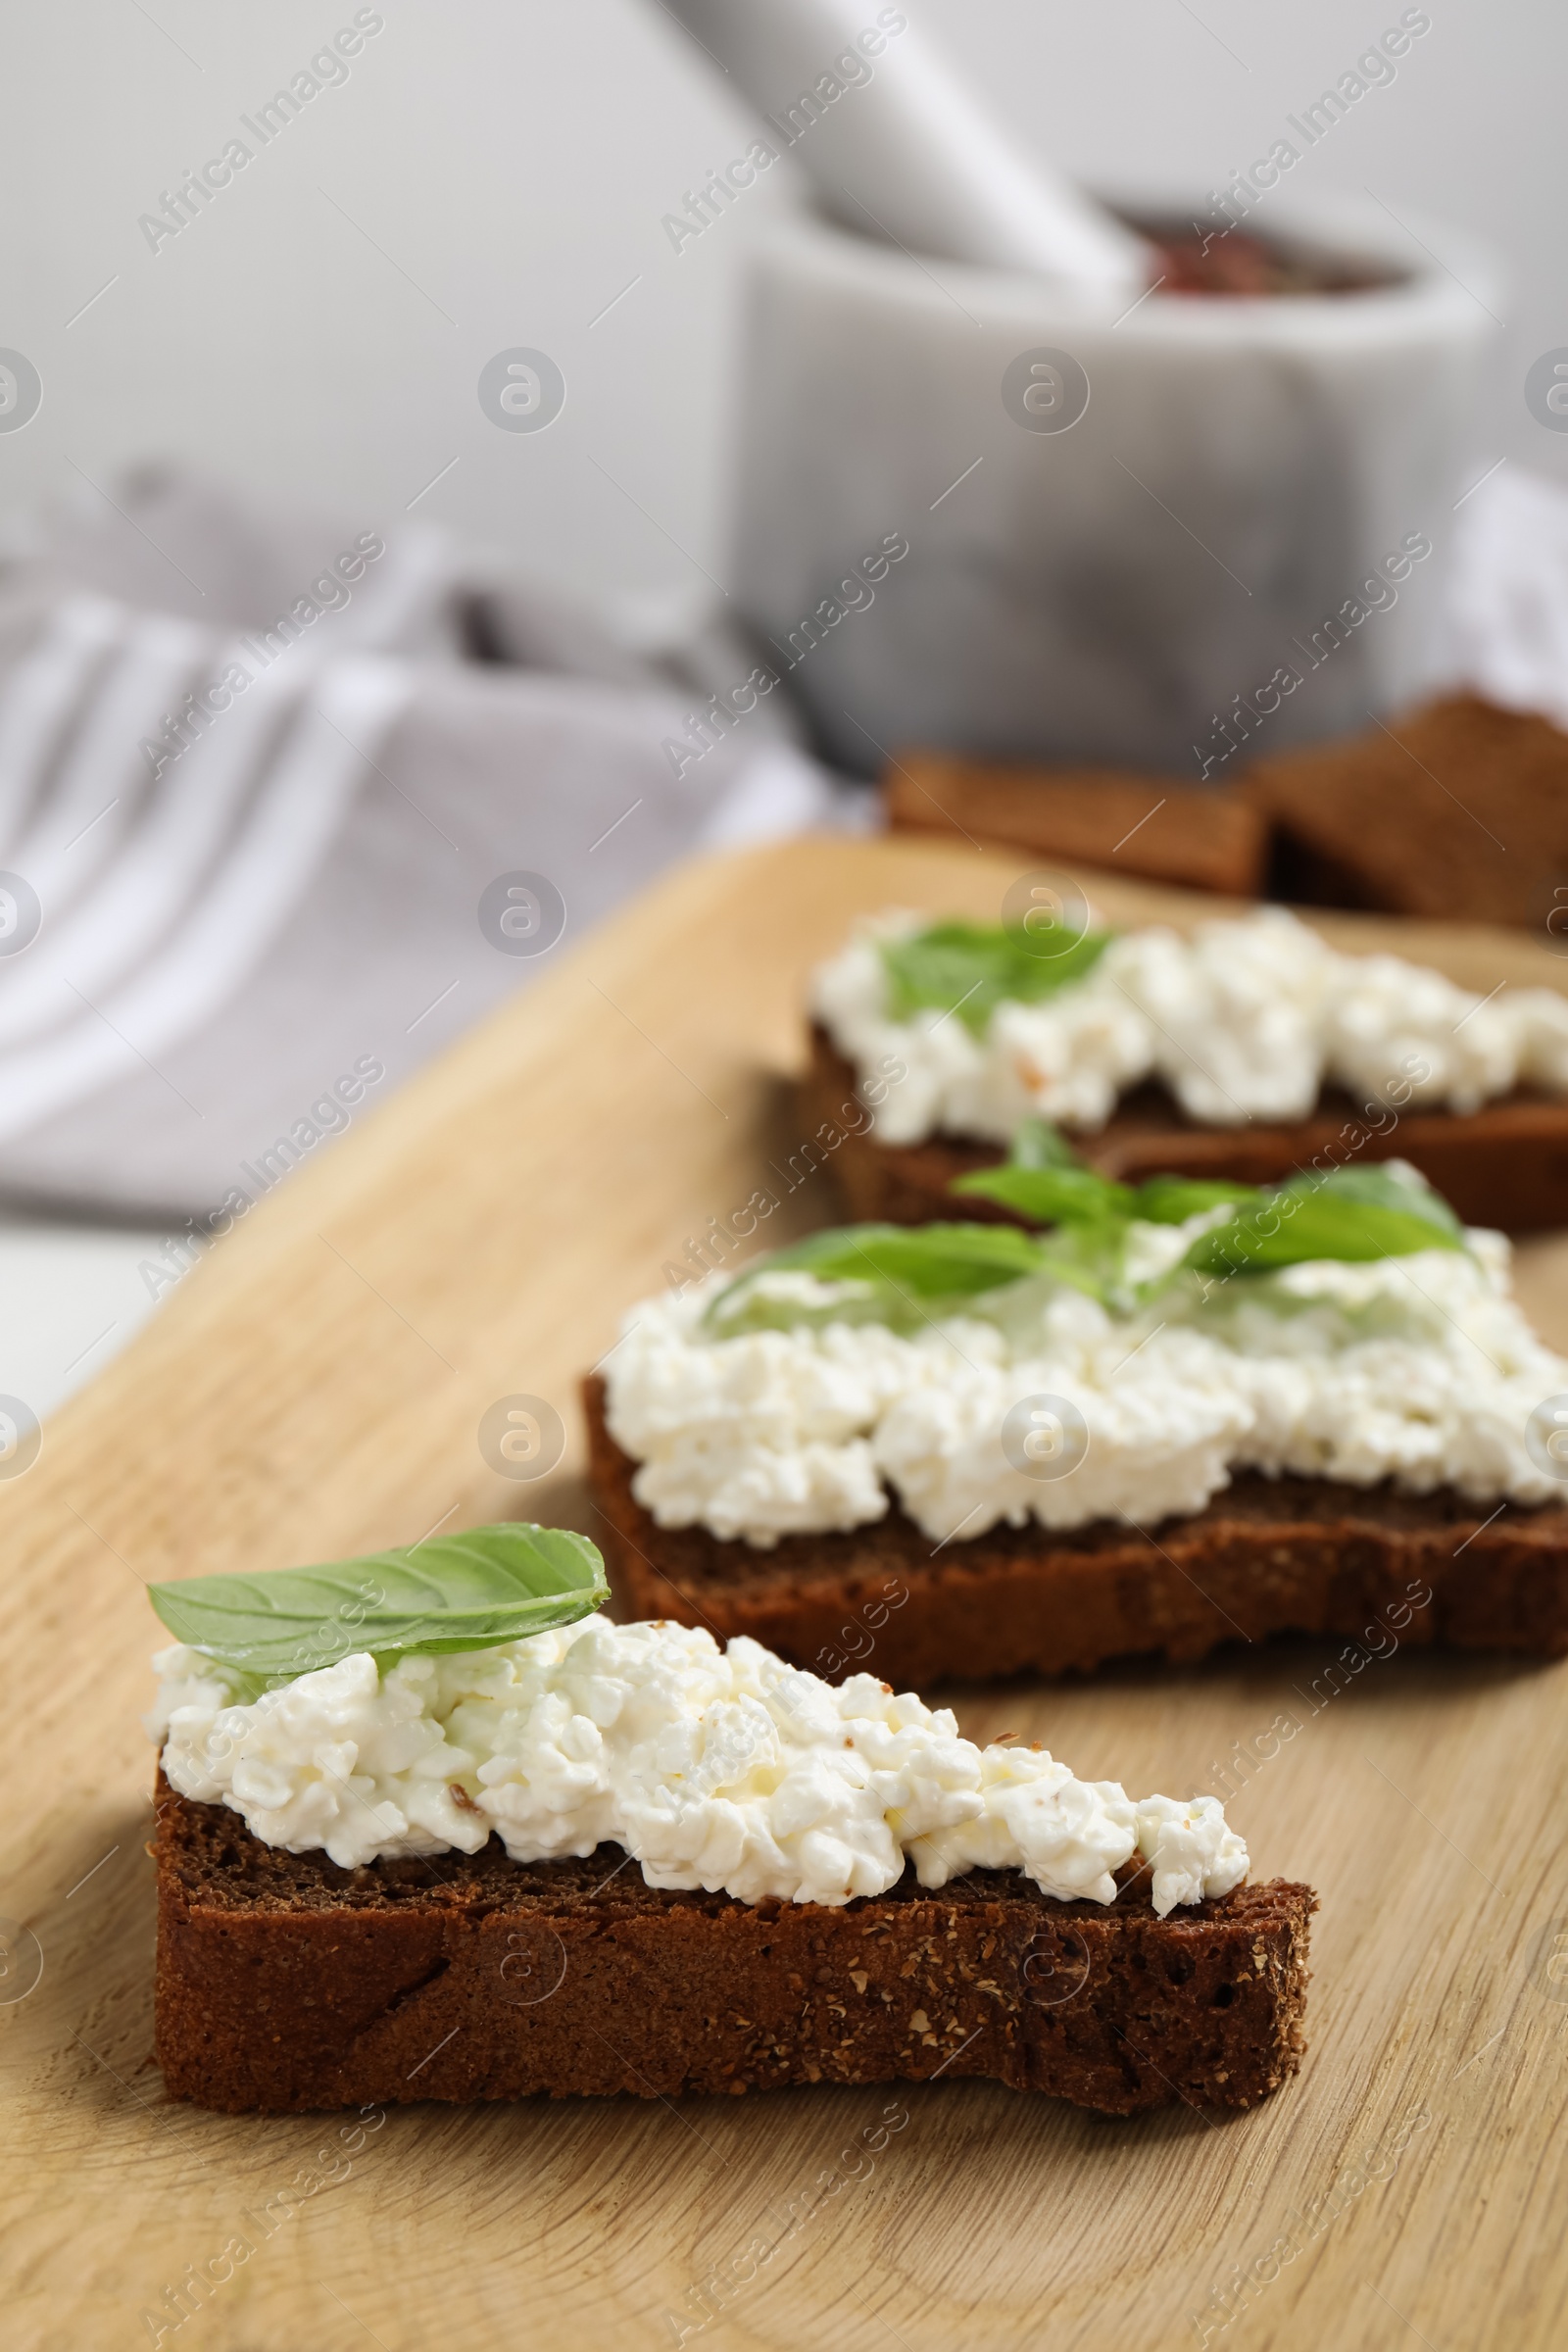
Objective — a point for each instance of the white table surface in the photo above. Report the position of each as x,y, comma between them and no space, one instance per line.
71,1298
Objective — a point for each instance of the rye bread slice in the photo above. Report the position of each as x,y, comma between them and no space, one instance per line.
1457,811
287,1983
1505,1165
1269,1556
1198,836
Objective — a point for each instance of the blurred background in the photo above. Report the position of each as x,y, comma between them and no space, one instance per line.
495,174
310,343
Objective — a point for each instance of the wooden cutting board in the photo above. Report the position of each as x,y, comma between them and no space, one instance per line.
315,1388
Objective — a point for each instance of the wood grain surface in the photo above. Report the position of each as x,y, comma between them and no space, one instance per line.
316,1389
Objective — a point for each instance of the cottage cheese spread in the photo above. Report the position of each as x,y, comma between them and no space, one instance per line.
1420,1369
1246,1019
724,1769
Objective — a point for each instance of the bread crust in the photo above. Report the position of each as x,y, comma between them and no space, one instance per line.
1266,1556
286,1984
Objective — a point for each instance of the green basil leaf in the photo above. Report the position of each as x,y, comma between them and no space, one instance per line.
901,1272
904,1276
472,1590
1059,1196
1046,1181
1354,1216
970,968
1172,1200
1397,1186
935,1262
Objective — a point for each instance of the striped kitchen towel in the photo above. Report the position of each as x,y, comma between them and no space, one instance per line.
259,850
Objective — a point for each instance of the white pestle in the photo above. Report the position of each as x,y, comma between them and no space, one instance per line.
906,151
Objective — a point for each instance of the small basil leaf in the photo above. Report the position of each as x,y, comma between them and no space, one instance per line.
1052,1196
1044,1180
472,1590
1395,1185
1342,1217
900,1271
1172,1200
970,968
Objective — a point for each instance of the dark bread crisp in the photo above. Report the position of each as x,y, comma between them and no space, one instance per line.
1201,837
1457,811
287,1983
1505,1165
1269,1556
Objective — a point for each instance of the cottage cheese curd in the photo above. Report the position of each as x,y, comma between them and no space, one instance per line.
1246,1019
1420,1369
724,1769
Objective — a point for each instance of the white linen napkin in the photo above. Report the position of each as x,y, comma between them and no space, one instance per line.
251,801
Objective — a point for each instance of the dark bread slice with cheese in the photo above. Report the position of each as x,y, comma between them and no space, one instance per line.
1505,1165
1269,1556
286,1984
